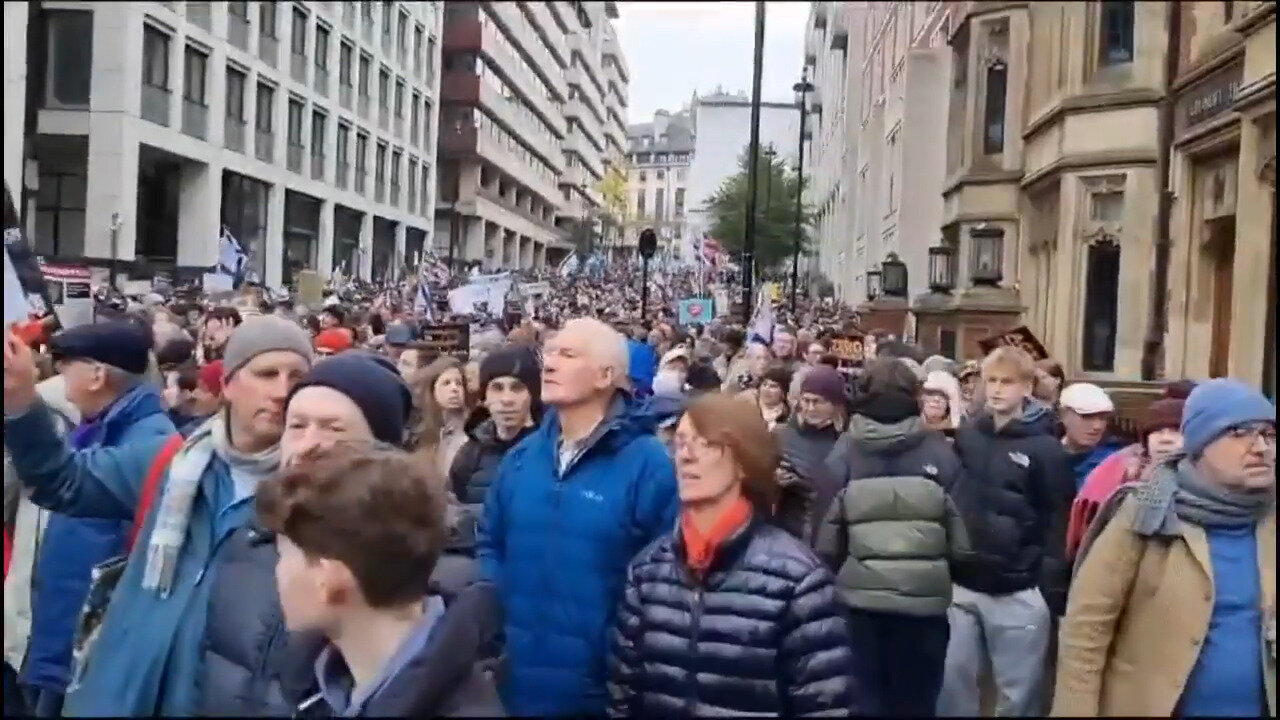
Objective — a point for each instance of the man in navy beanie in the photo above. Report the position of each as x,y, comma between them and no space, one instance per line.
361,393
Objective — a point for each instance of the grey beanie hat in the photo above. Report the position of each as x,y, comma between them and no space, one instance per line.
260,334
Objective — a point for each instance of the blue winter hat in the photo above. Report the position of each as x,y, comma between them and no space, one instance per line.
1218,405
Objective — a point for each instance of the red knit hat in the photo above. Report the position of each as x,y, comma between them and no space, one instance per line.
210,377
334,340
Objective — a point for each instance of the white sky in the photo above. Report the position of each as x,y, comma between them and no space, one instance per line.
675,48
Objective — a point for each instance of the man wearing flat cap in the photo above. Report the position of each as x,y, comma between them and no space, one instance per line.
102,367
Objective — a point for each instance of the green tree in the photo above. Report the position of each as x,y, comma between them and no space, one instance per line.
776,191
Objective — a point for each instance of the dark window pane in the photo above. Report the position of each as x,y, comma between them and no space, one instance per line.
1115,35
70,55
1101,307
994,107
155,58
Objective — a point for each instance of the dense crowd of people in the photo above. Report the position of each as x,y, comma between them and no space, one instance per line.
253,508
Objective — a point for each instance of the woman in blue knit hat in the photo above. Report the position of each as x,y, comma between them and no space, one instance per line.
1173,609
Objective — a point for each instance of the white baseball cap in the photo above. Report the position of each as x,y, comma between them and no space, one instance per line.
1086,399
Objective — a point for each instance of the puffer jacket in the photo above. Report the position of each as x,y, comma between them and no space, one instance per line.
477,461
1014,496
763,634
893,530
252,665
557,545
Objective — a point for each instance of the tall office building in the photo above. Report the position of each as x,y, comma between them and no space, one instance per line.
534,96
304,129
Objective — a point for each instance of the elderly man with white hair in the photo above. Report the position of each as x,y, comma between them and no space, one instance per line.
568,509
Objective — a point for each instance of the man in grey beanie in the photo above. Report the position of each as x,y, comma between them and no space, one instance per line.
195,610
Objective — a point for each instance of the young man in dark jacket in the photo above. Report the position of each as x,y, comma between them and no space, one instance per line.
510,387
805,441
1014,497
891,536
358,533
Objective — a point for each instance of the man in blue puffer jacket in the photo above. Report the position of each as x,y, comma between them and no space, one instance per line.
568,509
102,366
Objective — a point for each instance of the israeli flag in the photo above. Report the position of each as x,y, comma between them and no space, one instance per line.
568,266
761,328
231,257
422,304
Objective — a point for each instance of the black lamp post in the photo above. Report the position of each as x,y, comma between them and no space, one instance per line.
942,273
986,256
648,246
894,276
873,284
803,88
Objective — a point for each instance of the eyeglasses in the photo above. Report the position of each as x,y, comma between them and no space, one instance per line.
1253,433
698,445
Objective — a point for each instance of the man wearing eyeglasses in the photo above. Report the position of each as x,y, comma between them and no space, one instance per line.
1178,591
103,367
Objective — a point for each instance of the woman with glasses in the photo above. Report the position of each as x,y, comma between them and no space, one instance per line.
1173,608
729,615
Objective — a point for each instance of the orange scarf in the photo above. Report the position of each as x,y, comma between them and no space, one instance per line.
701,549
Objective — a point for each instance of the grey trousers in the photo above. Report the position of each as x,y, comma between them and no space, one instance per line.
1011,632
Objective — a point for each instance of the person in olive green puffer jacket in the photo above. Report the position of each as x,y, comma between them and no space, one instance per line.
891,535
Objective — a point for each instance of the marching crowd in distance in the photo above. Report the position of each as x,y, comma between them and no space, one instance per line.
265,511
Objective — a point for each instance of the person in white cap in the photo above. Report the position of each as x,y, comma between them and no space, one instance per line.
1085,412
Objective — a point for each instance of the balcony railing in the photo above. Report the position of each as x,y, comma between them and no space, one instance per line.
298,67
395,195
233,134
363,106
362,177
238,31
317,167
293,157
344,96
268,49
155,104
195,119
413,133
411,198
264,146
320,80
384,116
340,173
200,14
379,190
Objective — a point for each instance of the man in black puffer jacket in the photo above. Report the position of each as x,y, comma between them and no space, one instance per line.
510,381
1014,497
805,442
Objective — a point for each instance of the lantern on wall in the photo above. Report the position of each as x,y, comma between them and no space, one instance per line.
894,276
942,273
873,284
986,256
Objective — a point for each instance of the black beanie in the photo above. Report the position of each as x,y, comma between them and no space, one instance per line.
373,384
517,361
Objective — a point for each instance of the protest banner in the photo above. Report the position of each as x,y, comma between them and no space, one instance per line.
446,339
695,311
1019,337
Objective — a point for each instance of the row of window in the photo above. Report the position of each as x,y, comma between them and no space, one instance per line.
679,158
423,48
516,57
643,176
459,117
491,78
659,204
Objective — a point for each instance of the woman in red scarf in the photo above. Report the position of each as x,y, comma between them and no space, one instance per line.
730,615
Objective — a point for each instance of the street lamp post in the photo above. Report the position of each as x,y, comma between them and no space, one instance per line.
804,87
753,148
